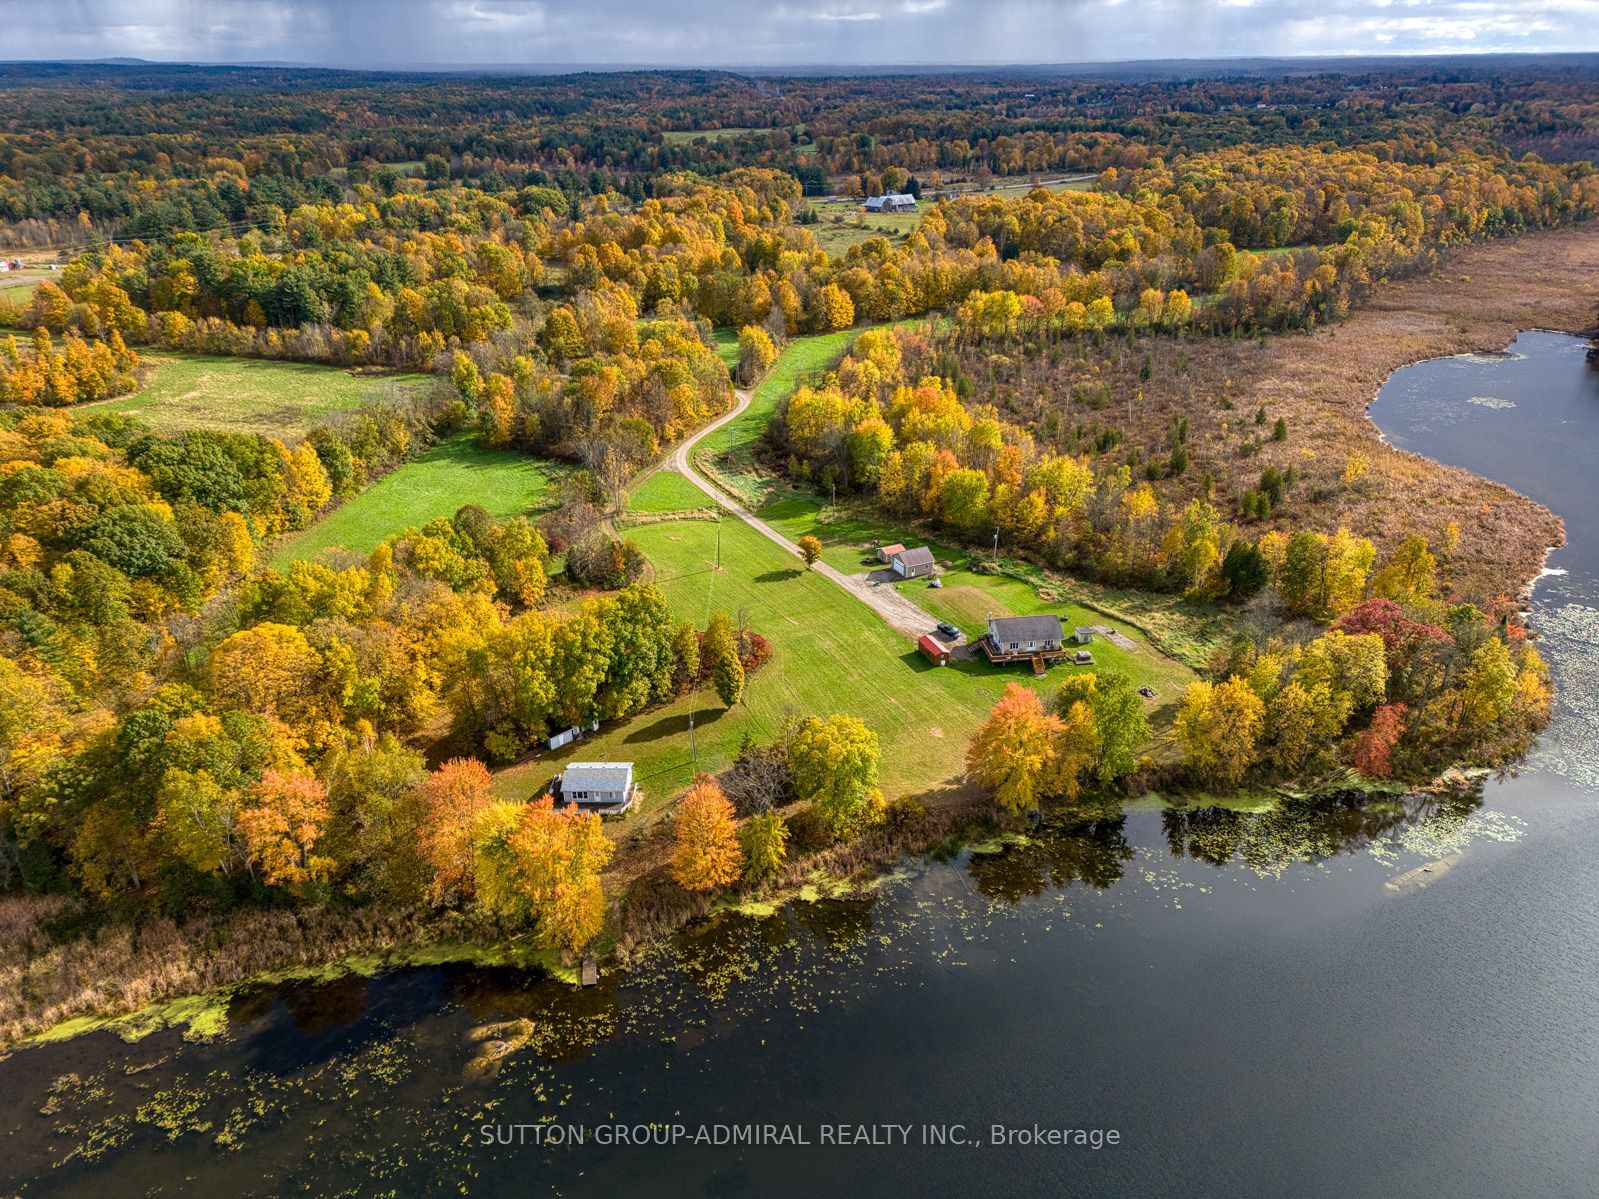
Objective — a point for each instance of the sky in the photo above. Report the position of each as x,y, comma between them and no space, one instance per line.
753,33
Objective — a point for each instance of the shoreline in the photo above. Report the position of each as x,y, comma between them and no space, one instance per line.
396,941
1524,595
840,872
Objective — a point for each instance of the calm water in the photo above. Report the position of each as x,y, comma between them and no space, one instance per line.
1240,997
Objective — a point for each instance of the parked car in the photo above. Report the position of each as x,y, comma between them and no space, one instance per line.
949,630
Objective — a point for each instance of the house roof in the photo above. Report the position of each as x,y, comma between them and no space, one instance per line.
893,198
932,644
891,550
920,556
1025,628
597,776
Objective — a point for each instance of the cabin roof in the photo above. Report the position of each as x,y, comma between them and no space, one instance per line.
920,556
597,776
1025,628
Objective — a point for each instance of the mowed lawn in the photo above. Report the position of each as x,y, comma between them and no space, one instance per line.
967,598
249,395
725,342
667,491
451,474
831,653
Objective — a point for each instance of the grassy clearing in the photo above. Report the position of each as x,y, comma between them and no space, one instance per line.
729,453
831,654
678,137
841,228
725,342
249,395
451,474
967,598
667,491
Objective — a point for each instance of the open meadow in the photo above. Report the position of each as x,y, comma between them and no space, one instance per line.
249,395
729,453
831,653
438,483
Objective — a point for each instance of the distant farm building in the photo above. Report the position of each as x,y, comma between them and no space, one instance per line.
934,650
1035,639
603,787
886,553
892,202
914,564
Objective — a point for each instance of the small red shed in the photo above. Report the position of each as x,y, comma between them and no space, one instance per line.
934,650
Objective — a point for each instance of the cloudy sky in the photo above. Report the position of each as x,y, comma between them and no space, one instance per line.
780,32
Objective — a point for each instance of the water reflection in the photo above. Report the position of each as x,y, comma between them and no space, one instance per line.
1299,831
1057,855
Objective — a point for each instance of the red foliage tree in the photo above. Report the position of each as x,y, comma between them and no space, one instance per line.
1373,752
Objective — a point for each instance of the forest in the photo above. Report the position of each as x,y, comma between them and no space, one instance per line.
586,267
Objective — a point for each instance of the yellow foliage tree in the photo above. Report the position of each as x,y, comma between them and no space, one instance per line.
283,825
705,852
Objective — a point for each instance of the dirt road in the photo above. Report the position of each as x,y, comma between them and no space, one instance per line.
900,612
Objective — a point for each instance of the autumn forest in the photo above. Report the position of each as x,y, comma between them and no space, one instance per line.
1058,369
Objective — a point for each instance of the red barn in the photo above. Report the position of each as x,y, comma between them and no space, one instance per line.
934,650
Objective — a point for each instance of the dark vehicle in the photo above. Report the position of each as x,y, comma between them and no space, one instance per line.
949,630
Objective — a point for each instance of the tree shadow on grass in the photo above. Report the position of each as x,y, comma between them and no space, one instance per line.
674,726
779,576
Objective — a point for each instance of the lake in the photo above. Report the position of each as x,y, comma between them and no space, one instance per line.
1242,998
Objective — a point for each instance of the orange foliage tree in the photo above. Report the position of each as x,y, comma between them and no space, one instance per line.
282,827
453,797
558,858
1016,753
706,854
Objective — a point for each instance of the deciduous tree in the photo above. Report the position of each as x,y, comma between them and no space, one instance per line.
282,828
834,761
705,849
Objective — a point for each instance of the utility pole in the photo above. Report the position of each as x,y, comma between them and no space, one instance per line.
718,542
996,545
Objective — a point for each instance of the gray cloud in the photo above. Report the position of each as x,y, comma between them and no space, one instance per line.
739,32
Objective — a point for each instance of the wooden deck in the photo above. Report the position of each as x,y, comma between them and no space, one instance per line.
1038,658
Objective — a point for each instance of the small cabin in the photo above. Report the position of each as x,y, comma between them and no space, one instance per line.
934,650
1082,636
892,202
885,553
914,563
603,787
1024,638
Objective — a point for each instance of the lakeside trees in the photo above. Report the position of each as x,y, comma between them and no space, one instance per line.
184,726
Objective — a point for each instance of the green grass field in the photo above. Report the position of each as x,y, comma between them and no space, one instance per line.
451,474
729,452
667,491
857,227
678,137
249,395
725,342
831,653
967,598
